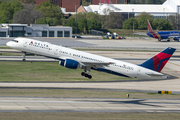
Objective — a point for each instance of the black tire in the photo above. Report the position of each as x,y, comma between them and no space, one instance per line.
83,74
89,76
86,75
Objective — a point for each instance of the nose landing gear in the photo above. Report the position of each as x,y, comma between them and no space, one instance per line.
24,57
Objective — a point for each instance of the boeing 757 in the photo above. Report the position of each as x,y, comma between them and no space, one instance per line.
175,35
74,59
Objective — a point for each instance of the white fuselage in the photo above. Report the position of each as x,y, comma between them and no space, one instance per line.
59,52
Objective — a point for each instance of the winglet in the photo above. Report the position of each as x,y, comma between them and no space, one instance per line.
157,62
149,27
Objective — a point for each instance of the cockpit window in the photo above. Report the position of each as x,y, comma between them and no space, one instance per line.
15,41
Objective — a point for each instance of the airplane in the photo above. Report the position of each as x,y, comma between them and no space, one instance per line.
168,35
75,59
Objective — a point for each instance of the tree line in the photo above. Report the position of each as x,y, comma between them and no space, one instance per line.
26,12
141,23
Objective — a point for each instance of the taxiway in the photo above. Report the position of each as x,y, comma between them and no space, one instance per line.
31,104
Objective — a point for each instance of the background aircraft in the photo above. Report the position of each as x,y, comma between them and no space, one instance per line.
74,59
168,35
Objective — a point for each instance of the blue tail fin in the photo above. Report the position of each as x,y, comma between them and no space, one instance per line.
157,62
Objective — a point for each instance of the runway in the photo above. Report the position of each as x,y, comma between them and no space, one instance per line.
136,86
32,104
125,44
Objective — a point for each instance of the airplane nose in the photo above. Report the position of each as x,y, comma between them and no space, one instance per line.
8,44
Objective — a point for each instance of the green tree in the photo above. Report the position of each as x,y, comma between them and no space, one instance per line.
79,15
113,21
142,20
51,11
93,24
82,24
92,15
42,21
28,1
8,9
128,24
175,20
162,24
26,16
85,21
72,23
46,20
85,3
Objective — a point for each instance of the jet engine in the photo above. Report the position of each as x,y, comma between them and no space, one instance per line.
69,63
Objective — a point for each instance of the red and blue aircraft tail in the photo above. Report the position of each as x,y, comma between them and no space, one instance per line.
157,62
149,27
151,33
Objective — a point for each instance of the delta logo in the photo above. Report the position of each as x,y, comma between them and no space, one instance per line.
38,44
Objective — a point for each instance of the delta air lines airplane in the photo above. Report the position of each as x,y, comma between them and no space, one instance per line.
175,35
74,59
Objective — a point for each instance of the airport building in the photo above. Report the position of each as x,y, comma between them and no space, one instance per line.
34,30
158,11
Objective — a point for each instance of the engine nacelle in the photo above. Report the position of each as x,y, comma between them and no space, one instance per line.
69,63
61,63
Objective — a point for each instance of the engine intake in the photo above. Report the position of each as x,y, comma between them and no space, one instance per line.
68,63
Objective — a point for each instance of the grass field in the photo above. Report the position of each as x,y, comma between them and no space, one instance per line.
83,93
48,71
89,116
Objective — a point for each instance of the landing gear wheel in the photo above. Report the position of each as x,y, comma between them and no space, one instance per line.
86,75
24,57
24,60
159,40
83,73
89,76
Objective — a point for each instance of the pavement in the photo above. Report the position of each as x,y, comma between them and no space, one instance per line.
139,85
32,104
149,44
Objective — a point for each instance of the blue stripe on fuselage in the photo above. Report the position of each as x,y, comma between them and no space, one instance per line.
109,71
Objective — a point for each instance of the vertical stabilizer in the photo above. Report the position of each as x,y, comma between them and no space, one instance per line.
149,27
157,62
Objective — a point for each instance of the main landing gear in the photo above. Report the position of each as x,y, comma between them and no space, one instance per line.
24,57
86,75
86,72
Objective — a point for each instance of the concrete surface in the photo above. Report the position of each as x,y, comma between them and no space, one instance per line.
31,104
150,44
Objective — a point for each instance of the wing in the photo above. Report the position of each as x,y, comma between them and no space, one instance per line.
87,63
96,64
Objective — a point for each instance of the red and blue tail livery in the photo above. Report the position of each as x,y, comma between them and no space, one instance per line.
157,62
167,35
